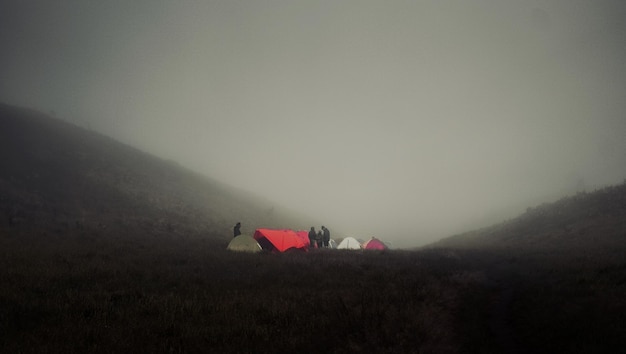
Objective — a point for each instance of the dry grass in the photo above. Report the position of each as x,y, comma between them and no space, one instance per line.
75,293
81,294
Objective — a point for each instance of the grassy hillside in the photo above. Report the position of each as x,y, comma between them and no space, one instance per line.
560,271
582,224
59,178
106,249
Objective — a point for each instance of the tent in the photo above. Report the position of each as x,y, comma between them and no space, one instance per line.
304,235
349,243
244,243
332,244
281,240
374,244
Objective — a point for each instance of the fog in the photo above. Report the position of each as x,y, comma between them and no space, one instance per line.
405,120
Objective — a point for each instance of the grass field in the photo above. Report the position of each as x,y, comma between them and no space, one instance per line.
77,293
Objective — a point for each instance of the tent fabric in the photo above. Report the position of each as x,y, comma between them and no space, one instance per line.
374,244
244,243
281,240
332,244
304,235
349,243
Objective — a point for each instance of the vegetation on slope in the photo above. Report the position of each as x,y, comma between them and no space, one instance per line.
106,249
58,177
587,222
559,271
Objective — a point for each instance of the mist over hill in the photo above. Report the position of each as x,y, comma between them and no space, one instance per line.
584,223
105,248
57,178
405,120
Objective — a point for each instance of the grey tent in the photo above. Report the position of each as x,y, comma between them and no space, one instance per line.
244,243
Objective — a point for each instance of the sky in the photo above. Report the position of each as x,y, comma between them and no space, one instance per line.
405,120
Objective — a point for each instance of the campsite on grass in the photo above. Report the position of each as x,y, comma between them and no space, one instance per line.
284,240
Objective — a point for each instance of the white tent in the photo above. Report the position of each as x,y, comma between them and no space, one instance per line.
349,243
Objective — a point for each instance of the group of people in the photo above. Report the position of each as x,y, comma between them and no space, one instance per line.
320,239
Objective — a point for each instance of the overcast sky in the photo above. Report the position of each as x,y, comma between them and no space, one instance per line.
406,120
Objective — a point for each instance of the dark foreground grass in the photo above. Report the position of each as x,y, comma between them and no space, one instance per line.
82,294
79,293
575,305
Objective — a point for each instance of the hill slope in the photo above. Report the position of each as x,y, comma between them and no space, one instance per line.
586,222
57,178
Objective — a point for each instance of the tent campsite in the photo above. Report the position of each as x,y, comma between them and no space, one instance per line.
244,243
281,240
349,243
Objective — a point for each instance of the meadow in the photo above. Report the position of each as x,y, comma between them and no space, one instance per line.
85,294
76,292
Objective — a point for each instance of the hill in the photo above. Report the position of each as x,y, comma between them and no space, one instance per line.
584,223
107,249
558,273
57,178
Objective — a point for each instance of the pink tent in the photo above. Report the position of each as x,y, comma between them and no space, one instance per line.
374,244
281,240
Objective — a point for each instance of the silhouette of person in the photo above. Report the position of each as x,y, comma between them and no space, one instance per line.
318,239
326,237
312,237
236,229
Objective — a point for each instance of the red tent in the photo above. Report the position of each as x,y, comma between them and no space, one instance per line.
304,235
281,240
374,244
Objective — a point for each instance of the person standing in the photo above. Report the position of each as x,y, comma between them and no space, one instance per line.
237,230
312,236
326,237
318,239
